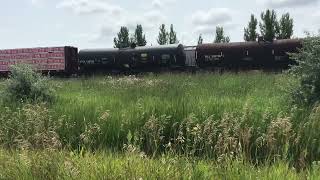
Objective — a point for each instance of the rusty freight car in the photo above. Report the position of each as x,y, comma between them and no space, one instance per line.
247,55
46,59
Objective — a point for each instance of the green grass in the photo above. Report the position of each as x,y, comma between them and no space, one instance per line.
209,117
104,165
132,101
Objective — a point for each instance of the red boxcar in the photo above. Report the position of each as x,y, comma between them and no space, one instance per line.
45,59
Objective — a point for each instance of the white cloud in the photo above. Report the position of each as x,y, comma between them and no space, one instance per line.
210,29
289,3
34,1
150,22
111,17
211,17
91,7
159,4
206,22
38,3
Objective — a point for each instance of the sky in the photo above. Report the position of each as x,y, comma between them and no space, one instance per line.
94,23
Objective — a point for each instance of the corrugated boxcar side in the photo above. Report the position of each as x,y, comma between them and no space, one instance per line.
57,59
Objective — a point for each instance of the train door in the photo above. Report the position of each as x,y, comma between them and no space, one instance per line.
190,55
268,58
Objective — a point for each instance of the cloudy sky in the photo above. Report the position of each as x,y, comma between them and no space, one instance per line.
94,23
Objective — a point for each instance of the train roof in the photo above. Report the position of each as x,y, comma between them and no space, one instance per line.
100,50
170,47
250,44
138,48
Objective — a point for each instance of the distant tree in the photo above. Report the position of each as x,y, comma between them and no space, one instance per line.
220,36
122,41
269,26
285,27
200,39
163,37
139,37
132,39
250,33
173,36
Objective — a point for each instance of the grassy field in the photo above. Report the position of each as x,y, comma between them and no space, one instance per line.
104,165
204,118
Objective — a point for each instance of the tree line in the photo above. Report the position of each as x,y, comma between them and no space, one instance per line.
139,38
270,29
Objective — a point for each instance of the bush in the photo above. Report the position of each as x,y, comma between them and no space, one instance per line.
307,72
24,84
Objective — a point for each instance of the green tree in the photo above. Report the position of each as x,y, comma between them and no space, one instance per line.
285,27
307,71
220,36
139,37
250,33
173,36
269,26
122,41
163,37
132,39
200,39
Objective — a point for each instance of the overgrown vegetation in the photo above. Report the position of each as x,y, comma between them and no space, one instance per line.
216,117
105,165
25,85
307,72
209,123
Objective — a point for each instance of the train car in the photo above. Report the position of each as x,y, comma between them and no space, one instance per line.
133,58
92,60
281,49
46,59
247,55
153,57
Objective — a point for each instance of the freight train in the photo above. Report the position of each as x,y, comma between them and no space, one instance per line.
224,56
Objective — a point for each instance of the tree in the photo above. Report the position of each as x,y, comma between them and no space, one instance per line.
220,36
173,36
285,27
250,33
139,37
122,41
269,26
307,71
200,39
163,35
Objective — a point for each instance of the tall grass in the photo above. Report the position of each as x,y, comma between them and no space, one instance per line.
105,165
204,115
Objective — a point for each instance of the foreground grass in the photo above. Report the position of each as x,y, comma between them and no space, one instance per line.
103,165
129,102
206,116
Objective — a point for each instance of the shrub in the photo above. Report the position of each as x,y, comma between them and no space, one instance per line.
24,84
307,72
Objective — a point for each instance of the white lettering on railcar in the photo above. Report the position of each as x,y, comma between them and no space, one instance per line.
210,58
